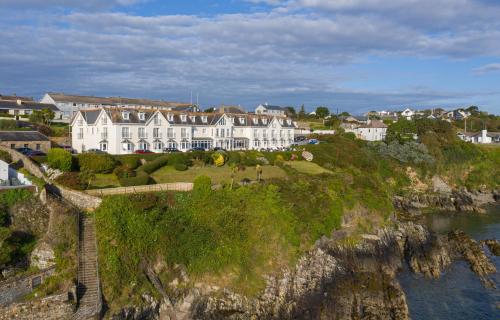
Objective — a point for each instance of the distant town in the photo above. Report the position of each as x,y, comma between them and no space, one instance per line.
118,125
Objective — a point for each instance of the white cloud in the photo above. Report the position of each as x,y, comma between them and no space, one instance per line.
488,68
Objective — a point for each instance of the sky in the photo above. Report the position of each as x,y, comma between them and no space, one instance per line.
348,55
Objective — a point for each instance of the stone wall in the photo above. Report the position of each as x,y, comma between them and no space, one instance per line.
43,146
79,199
14,289
55,307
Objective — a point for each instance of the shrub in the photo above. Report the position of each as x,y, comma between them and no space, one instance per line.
60,159
71,180
178,158
8,124
142,178
5,156
132,162
152,166
218,159
124,172
180,167
233,158
202,185
96,162
409,152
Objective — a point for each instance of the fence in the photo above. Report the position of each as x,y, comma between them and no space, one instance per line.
179,186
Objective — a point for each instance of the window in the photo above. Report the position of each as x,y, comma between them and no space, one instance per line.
142,116
255,120
156,133
126,133
289,122
38,147
104,133
26,145
80,133
79,122
204,119
12,145
222,122
103,146
170,117
142,133
183,117
156,120
242,120
125,115
170,132
143,146
158,146
104,120
264,121
193,118
183,133
127,146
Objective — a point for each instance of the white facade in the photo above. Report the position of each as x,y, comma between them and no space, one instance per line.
408,114
374,130
270,110
123,131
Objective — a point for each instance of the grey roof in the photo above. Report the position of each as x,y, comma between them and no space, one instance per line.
22,136
90,115
116,115
268,107
14,97
114,101
26,105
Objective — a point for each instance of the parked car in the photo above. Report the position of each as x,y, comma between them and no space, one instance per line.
197,149
171,150
313,141
36,153
24,151
219,149
142,151
95,151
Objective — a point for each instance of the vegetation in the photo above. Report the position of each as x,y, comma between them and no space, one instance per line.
60,159
5,156
44,116
96,162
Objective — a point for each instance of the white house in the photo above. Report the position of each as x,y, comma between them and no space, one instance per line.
373,130
408,113
124,130
25,108
270,110
482,137
70,104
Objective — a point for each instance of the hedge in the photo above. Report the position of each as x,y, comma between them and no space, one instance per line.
60,159
154,165
5,156
142,178
96,162
131,162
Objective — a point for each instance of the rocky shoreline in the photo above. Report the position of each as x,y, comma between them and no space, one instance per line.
336,281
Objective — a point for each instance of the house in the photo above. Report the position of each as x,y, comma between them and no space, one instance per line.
70,104
408,114
373,130
125,130
482,137
270,110
11,177
15,97
458,114
25,139
25,108
354,119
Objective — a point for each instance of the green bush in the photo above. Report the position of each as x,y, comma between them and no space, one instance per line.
60,159
124,172
180,167
141,178
174,158
71,180
202,185
96,162
233,157
5,156
132,162
8,124
152,166
10,197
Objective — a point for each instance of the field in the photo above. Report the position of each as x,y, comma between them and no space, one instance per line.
307,167
218,175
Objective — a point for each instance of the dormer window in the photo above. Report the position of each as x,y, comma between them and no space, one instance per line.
242,120
232,120
289,122
264,121
255,120
104,120
281,121
183,117
170,117
142,116
125,115
193,118
204,119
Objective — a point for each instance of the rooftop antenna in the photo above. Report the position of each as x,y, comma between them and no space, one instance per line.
197,100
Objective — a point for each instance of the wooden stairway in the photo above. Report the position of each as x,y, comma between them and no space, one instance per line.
88,287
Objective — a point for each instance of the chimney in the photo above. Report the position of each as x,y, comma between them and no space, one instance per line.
484,135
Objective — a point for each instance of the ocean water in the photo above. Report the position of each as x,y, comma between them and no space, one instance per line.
458,294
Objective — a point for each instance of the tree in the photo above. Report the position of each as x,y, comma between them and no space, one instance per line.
290,111
345,114
302,112
322,112
44,116
210,110
401,131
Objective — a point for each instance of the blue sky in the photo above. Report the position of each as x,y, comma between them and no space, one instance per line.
354,55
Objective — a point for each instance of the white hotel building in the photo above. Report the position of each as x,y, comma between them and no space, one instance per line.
123,130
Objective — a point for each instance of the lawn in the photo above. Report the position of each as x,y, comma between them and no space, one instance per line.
105,181
307,167
218,175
